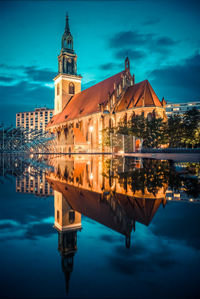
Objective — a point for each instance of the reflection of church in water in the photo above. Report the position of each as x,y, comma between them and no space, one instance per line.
67,222
81,186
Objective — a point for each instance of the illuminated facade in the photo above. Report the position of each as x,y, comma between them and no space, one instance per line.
83,185
35,120
181,108
80,116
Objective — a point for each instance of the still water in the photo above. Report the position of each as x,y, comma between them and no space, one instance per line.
96,227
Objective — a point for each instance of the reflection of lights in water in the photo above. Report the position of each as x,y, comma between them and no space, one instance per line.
177,194
91,176
190,199
169,198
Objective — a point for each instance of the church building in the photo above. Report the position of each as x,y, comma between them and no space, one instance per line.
81,116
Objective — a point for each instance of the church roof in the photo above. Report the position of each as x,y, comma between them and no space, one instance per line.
87,203
87,101
139,95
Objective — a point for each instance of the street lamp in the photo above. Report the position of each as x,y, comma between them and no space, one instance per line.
91,128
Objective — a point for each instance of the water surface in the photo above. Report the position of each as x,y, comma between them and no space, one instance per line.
92,226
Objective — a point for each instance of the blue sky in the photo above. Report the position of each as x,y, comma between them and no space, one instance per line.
161,39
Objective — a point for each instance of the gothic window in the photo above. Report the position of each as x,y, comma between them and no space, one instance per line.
71,88
65,44
149,116
58,89
71,217
69,44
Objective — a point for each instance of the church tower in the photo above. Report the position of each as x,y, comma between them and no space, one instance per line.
67,82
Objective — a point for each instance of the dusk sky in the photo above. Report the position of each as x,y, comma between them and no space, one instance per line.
161,39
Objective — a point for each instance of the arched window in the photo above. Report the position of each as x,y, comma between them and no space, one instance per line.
149,116
71,217
71,88
65,44
125,118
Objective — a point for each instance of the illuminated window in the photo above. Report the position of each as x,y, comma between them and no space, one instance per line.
71,88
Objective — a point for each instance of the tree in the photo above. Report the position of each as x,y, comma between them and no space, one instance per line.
191,127
175,130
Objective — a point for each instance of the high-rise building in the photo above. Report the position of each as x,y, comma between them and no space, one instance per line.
37,119
181,108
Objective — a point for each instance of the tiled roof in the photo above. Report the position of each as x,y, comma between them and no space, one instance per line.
139,95
87,101
87,203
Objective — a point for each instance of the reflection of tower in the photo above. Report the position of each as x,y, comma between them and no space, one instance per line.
67,222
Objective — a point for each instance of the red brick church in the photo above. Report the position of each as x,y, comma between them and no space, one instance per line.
80,116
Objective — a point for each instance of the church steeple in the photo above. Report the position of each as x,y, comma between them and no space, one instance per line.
67,57
67,39
67,30
67,82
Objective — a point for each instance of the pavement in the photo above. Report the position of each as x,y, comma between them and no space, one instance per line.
184,157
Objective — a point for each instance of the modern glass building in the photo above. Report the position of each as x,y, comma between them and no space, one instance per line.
181,108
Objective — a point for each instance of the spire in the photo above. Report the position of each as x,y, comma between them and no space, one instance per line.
67,30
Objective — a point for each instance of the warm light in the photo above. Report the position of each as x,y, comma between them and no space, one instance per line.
91,128
169,198
191,199
91,176
121,152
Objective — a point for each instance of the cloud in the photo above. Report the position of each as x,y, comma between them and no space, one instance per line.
183,223
134,55
39,75
109,66
110,238
152,21
23,96
179,80
6,79
29,73
140,41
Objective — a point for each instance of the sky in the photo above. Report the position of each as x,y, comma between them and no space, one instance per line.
161,39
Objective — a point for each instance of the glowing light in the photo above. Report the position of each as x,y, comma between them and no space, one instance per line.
91,128
121,152
91,176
